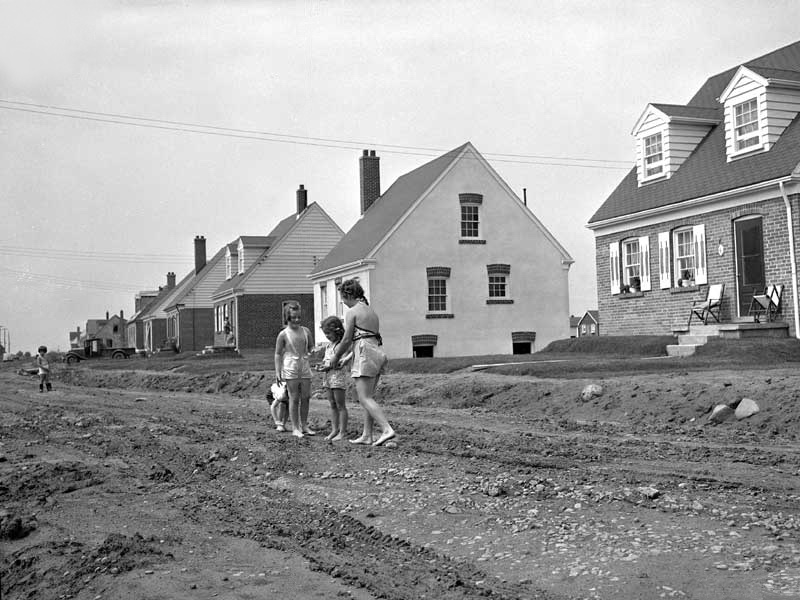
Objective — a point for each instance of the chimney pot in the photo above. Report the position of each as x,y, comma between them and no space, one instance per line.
370,174
170,280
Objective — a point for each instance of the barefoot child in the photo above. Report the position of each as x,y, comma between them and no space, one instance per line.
44,369
334,378
292,365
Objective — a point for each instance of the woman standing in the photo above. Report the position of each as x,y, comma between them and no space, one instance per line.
362,332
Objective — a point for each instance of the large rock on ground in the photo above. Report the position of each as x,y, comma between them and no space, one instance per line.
746,408
590,391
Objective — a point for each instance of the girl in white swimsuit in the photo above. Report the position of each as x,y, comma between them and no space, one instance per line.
292,365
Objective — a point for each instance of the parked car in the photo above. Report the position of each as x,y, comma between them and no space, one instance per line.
95,348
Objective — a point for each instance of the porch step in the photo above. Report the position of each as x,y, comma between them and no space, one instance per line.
682,349
693,339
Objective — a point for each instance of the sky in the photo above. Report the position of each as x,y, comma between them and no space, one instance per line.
129,127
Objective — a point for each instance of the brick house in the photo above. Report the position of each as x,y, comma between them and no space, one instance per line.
263,272
190,310
154,317
589,324
453,261
713,198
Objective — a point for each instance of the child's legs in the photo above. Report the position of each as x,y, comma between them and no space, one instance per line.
305,401
366,389
334,409
341,408
293,387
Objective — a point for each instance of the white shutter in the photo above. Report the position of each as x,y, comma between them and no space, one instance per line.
700,270
664,260
613,266
644,250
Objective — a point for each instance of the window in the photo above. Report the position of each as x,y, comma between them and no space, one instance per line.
438,304
499,279
469,221
631,261
437,294
241,260
745,130
422,345
228,264
593,328
653,156
470,216
583,328
323,298
684,254
629,265
522,342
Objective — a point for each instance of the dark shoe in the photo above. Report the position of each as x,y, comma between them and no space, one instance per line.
49,387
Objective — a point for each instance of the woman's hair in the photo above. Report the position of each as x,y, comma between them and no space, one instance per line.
353,289
288,308
332,324
42,349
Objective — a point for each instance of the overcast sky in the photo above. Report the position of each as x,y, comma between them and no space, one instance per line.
94,210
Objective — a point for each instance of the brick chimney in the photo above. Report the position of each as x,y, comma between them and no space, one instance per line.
199,253
370,171
107,315
302,199
170,280
121,314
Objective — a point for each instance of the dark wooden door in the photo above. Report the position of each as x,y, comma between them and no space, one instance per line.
749,261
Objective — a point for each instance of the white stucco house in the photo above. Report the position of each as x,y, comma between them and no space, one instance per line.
452,260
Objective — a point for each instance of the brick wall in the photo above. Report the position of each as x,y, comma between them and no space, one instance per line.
657,311
260,319
196,329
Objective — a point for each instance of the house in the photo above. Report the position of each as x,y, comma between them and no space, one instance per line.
154,316
135,326
111,330
573,326
713,198
453,261
589,323
264,272
190,310
75,338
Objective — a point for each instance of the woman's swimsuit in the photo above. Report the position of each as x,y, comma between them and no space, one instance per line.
369,359
296,365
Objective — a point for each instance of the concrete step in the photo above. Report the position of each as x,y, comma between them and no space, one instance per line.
690,338
681,349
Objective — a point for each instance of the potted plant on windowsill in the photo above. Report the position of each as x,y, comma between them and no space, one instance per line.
686,279
636,284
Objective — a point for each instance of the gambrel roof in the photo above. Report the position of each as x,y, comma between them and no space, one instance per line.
366,236
707,171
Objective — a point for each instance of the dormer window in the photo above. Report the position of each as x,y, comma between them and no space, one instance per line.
746,130
653,156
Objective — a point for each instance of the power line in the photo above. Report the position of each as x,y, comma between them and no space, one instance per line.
42,279
84,255
162,124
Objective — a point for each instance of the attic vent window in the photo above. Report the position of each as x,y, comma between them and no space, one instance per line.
746,132
653,156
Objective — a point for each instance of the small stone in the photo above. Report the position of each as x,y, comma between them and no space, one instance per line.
590,391
746,408
721,412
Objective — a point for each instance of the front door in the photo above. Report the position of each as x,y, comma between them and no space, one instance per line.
748,234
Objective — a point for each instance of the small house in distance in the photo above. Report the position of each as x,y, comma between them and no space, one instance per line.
453,261
589,324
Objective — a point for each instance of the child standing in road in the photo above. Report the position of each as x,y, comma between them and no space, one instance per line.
292,365
44,369
334,378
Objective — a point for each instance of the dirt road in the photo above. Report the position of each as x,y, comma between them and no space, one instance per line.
499,487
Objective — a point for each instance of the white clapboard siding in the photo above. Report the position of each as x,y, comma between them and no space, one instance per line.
286,266
206,283
613,266
652,124
700,269
744,89
682,141
664,260
782,106
644,249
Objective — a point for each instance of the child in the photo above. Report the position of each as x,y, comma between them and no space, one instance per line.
44,369
334,378
292,365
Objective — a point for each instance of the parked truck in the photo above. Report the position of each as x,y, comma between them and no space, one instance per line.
95,348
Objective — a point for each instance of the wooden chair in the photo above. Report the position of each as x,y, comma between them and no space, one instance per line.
710,307
767,304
